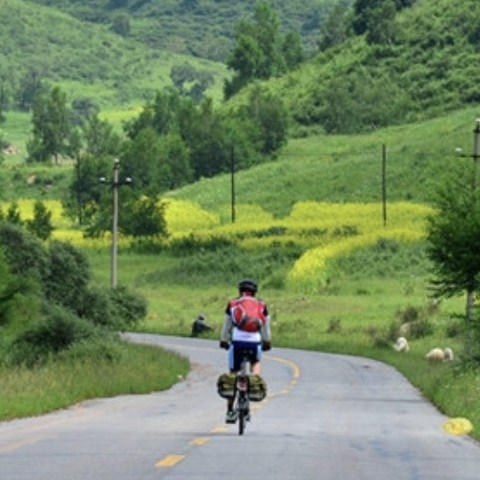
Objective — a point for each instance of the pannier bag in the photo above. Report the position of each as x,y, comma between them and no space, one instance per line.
257,388
226,385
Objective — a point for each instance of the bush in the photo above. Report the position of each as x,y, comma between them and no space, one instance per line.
68,275
128,307
56,333
114,309
24,253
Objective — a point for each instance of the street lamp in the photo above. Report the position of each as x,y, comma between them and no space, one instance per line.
115,185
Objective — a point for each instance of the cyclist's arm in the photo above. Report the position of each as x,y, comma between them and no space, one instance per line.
226,329
265,330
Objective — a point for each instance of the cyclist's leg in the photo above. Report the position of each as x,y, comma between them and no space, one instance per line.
231,367
255,361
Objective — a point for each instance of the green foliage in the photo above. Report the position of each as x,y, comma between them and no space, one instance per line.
259,51
84,58
13,214
57,277
419,63
452,234
145,218
129,308
217,262
24,253
59,331
68,275
51,127
191,27
41,223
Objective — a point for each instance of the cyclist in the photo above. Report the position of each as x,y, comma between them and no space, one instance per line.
236,338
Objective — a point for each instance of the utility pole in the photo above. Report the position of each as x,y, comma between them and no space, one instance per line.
476,152
232,165
384,184
475,156
115,186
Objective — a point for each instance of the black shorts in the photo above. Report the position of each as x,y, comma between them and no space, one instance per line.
237,351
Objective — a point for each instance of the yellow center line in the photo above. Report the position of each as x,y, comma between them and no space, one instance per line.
295,375
219,429
200,441
169,461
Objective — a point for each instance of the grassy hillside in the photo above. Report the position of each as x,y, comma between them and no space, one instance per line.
86,59
340,168
324,167
427,69
201,28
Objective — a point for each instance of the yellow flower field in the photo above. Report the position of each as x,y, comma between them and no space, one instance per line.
325,230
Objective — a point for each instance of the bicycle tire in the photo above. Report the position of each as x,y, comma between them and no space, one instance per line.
241,421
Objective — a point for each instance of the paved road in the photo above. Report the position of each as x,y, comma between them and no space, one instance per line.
326,417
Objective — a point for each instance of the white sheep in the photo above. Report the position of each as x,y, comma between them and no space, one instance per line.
401,345
439,355
448,354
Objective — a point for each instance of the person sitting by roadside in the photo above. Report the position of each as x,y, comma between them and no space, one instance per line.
199,326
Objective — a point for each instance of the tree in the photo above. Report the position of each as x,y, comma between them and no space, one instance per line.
292,50
83,109
41,223
121,24
85,190
24,252
380,23
257,51
30,86
270,118
453,247
186,75
100,138
334,29
145,218
13,214
68,275
51,126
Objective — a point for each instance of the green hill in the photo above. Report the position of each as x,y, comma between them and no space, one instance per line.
336,168
425,68
86,59
201,28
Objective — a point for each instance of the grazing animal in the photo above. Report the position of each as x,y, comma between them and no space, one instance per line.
439,355
401,345
448,352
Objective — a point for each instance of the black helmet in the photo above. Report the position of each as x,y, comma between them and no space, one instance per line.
248,285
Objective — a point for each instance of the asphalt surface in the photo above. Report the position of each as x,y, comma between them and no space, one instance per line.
326,417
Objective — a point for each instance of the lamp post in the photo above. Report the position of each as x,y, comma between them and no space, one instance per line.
115,185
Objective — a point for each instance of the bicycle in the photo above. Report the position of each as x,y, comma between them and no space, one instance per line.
240,389
242,399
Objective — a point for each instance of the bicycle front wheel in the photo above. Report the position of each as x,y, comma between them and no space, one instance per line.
242,419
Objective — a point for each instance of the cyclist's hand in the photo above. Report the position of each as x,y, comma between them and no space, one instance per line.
224,345
266,346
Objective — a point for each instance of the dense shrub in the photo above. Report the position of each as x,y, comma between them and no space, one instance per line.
58,331
128,307
24,252
68,275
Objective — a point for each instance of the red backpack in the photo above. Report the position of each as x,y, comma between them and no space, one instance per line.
247,313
